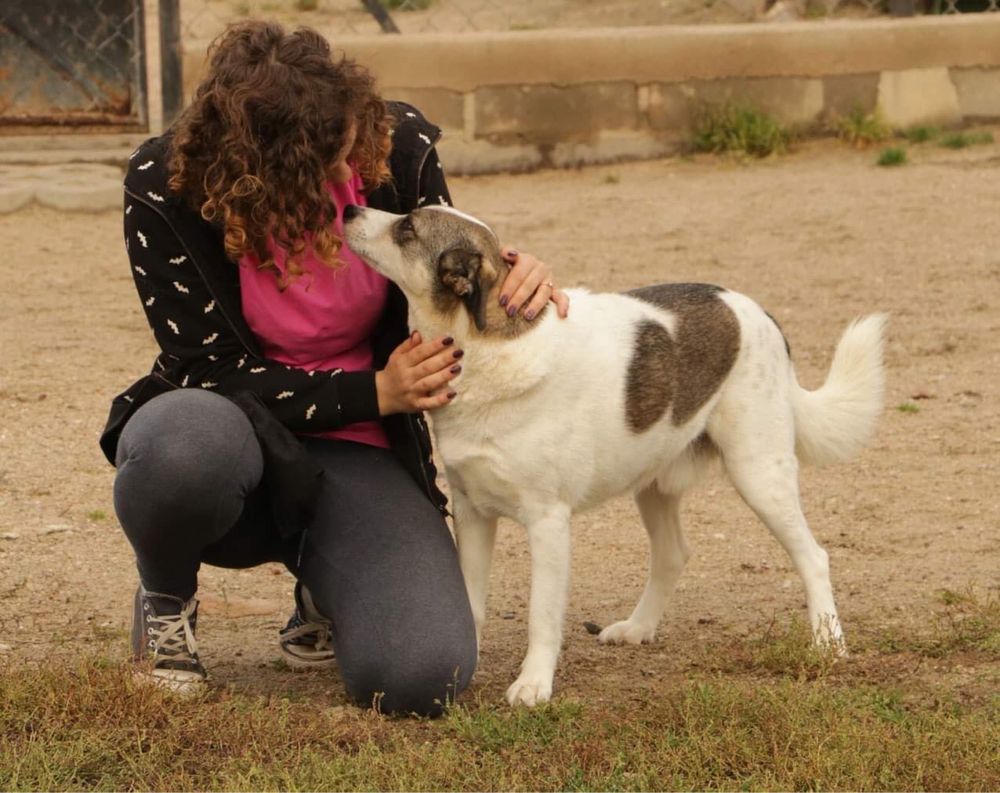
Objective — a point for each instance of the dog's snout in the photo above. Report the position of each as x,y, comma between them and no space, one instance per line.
351,211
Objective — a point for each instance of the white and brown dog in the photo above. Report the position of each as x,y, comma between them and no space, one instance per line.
634,392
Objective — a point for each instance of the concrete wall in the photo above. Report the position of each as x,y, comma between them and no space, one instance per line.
566,97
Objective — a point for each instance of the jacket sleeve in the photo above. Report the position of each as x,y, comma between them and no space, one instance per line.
206,353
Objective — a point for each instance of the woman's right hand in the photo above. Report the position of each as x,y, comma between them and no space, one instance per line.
416,374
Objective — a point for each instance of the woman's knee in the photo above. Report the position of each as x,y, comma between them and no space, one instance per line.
186,452
404,684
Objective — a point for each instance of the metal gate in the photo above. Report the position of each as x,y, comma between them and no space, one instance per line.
72,62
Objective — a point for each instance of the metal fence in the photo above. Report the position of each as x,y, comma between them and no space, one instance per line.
72,62
203,19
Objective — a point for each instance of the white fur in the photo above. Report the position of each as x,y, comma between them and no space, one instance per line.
538,432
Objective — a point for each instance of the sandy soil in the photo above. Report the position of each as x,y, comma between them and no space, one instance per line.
818,237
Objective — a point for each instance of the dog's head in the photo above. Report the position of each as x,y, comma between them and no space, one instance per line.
442,259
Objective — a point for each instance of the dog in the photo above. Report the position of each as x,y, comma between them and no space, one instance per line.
633,393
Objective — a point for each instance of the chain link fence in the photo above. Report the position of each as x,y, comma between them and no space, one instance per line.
204,19
72,62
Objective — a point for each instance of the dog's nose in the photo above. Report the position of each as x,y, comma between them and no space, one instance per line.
351,211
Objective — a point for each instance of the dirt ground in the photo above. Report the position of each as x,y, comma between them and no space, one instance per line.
817,237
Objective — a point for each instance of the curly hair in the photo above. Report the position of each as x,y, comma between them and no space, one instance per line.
253,149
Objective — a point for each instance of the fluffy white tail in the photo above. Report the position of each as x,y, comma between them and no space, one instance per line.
834,422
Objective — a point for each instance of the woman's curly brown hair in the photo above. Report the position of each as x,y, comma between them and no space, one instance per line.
253,150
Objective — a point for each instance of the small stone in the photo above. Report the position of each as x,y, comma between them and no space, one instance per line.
56,528
5,648
9,535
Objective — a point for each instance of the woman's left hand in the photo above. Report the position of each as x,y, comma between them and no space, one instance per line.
529,285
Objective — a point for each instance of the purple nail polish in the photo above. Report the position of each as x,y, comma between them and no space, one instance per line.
529,314
447,341
458,353
503,300
452,394
511,311
456,369
512,254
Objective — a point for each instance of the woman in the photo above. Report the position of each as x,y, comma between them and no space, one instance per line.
282,418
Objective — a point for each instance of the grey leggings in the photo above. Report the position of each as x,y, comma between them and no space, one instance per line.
378,558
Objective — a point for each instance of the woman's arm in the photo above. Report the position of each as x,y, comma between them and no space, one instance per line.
189,326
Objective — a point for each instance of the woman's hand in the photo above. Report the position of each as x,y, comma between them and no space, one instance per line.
529,285
416,374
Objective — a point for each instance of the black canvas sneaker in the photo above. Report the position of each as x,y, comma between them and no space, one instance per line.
306,641
163,642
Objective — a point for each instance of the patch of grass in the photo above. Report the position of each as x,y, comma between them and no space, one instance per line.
908,407
739,129
921,134
306,5
967,624
861,129
90,728
894,155
97,514
790,651
611,178
961,140
406,5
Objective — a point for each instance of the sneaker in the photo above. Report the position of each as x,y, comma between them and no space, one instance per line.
163,642
306,641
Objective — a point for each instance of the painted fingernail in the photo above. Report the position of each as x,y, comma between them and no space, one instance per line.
447,341
503,300
511,311
529,314
456,369
452,394
458,353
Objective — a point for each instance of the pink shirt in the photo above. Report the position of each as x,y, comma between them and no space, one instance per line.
324,319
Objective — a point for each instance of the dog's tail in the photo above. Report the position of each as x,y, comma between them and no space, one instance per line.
834,422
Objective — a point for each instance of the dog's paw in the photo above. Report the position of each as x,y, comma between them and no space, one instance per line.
627,632
530,692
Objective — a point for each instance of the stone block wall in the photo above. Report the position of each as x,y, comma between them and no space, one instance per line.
515,101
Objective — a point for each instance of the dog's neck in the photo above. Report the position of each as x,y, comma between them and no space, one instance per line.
500,361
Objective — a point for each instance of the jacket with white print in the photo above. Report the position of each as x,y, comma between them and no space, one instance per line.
190,293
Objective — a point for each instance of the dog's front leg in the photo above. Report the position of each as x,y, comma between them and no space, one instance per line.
475,536
549,540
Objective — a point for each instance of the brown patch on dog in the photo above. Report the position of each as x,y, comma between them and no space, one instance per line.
498,324
686,367
651,376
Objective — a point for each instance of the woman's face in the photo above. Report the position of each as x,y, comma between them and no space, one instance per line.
340,172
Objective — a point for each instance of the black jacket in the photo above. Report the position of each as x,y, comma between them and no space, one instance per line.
190,292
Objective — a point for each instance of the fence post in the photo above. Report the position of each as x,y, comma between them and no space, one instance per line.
377,10
171,74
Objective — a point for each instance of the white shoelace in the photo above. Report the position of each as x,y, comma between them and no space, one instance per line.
321,629
174,634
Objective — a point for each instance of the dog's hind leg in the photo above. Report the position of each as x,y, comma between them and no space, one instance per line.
668,554
549,540
475,536
764,469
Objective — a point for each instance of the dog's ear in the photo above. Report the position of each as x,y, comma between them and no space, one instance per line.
461,271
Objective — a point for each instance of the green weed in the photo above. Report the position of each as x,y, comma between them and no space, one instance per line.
739,129
862,129
961,140
908,407
892,156
921,134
